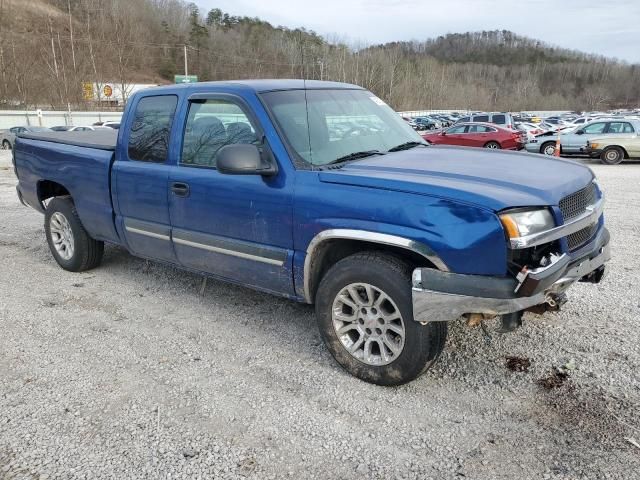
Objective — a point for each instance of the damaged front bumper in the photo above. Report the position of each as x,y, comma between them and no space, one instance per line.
442,296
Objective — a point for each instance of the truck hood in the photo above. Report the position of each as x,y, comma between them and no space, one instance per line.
490,179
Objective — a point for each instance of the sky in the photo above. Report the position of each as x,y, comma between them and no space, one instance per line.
605,27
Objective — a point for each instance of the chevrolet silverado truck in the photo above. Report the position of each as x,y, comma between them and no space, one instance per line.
321,193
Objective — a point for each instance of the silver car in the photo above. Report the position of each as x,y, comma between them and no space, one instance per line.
8,137
573,141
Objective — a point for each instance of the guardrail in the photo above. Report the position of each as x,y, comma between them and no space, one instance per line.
52,118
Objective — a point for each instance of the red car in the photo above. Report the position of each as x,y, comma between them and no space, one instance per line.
475,134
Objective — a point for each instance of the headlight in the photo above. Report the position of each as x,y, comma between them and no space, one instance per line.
526,222
593,145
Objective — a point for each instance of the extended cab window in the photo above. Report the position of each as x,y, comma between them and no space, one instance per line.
211,125
149,136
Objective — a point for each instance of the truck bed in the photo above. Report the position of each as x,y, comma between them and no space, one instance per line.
102,139
79,162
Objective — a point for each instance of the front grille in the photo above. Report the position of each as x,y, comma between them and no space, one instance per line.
573,206
576,204
581,237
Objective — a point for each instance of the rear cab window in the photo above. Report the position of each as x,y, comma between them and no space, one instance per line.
151,127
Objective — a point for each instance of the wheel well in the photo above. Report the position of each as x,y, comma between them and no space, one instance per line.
48,189
332,251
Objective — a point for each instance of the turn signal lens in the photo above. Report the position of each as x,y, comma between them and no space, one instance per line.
510,226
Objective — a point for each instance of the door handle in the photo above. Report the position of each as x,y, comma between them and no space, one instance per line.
180,189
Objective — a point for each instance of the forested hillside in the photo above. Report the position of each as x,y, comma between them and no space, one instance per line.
49,47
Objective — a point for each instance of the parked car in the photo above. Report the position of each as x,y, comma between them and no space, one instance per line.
74,128
110,124
530,129
574,141
580,121
7,137
477,135
501,119
389,238
425,123
614,150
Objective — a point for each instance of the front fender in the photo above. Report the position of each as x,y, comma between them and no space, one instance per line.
461,237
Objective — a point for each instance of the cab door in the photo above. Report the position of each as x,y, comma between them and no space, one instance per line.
456,135
574,141
237,227
140,178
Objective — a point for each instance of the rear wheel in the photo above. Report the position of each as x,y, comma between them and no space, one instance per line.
69,242
365,315
612,156
6,145
548,148
492,145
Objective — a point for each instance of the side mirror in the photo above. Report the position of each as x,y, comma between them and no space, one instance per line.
443,132
244,159
580,132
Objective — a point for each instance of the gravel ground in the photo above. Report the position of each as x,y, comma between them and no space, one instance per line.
127,371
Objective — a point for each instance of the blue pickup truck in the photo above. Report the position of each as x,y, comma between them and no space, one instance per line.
321,193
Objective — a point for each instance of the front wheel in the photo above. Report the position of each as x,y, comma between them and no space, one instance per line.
70,244
548,148
365,315
612,156
492,145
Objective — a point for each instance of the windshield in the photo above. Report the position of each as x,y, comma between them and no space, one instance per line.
337,123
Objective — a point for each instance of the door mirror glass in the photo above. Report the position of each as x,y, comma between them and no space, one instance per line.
243,159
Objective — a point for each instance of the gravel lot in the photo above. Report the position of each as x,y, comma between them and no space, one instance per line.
127,371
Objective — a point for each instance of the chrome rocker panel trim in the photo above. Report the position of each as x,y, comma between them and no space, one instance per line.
434,306
591,216
367,236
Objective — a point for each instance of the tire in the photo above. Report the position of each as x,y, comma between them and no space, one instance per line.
612,156
492,145
548,148
70,244
388,280
6,145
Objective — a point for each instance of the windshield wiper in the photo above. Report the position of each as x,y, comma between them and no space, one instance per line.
354,156
407,146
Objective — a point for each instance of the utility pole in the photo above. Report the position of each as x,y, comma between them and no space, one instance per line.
73,50
186,70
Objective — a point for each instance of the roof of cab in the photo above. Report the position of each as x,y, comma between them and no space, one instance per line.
258,86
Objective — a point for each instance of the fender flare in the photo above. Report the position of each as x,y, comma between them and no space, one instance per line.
367,236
